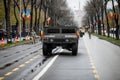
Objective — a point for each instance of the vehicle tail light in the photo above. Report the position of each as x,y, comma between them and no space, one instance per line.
77,34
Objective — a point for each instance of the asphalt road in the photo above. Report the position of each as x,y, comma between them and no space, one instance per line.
106,57
96,60
17,63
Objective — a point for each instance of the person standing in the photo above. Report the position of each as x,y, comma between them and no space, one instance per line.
89,32
33,36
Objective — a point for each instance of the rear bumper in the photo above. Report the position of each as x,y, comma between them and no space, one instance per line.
66,45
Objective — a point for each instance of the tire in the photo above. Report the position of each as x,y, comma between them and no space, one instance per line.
45,51
49,52
74,50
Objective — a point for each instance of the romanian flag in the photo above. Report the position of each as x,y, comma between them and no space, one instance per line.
28,14
100,18
23,14
111,13
29,17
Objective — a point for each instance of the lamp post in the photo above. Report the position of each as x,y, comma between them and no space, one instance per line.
20,19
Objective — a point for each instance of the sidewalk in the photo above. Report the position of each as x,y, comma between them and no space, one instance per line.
18,48
18,44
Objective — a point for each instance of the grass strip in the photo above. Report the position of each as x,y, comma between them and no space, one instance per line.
14,44
112,40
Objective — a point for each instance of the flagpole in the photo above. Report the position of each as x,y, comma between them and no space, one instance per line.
20,19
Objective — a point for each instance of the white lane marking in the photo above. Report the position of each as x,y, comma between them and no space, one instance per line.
37,77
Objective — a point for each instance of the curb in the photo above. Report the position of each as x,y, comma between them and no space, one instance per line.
109,41
14,45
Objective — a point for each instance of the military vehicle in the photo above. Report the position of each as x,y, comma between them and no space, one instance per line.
66,37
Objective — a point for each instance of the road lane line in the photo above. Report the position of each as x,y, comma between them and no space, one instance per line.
93,67
8,74
97,76
1,78
95,71
35,57
22,65
27,62
92,63
15,69
45,69
31,59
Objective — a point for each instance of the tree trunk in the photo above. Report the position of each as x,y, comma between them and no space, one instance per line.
106,15
35,23
31,14
7,18
45,12
118,5
102,12
116,21
39,16
99,24
17,22
24,19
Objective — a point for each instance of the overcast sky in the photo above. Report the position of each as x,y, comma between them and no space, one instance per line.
76,5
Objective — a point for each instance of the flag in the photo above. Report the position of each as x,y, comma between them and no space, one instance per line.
100,17
111,13
23,14
28,14
94,21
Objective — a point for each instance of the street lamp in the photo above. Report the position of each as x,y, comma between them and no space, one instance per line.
20,19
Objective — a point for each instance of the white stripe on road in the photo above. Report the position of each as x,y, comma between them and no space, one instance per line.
45,69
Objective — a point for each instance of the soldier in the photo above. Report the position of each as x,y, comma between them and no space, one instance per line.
89,32
33,36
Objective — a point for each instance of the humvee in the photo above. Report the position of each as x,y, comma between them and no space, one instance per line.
66,37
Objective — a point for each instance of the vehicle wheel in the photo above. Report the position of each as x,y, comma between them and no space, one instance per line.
45,50
49,52
74,50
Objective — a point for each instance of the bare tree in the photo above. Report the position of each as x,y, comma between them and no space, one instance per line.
31,14
93,10
118,1
7,17
15,12
106,15
25,5
116,20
